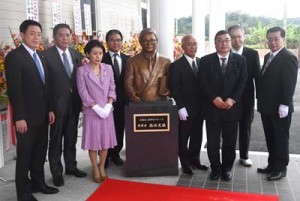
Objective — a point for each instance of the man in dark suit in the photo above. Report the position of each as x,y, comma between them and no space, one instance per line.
276,86
118,61
28,92
185,89
63,62
248,98
223,77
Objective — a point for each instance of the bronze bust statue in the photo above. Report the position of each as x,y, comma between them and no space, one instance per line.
147,72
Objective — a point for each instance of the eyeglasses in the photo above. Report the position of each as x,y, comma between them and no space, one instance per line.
227,41
115,41
150,41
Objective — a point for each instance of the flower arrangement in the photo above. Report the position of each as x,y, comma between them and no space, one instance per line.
131,47
80,48
4,49
178,51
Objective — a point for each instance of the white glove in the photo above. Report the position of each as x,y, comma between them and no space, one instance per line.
283,111
183,114
100,111
107,108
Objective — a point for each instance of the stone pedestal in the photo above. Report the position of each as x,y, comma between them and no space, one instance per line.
151,139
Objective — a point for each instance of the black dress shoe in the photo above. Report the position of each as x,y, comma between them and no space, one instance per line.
58,180
265,170
44,189
215,175
76,173
187,170
226,176
198,165
117,161
276,175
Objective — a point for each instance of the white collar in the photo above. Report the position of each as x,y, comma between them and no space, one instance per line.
113,53
276,52
240,51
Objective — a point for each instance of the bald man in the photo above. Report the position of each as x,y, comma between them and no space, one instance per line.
183,83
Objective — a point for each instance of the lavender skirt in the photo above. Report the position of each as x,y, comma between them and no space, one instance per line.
98,133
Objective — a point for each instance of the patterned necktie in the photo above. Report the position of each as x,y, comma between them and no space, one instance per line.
194,67
67,64
267,64
116,65
39,66
223,65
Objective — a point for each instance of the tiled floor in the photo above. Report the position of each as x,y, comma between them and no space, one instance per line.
246,179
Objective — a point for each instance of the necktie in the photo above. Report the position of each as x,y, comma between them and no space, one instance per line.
194,67
67,64
223,65
116,65
267,64
150,65
39,66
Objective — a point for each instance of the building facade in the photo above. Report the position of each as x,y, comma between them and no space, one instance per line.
95,17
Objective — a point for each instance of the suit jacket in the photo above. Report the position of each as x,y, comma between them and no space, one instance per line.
27,93
253,68
63,89
122,98
184,86
277,85
140,82
93,91
229,85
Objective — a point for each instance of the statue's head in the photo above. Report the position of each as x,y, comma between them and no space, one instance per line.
148,40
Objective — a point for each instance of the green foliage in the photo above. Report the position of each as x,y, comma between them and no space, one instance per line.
255,28
293,36
184,25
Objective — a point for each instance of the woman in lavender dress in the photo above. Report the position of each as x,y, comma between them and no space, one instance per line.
96,88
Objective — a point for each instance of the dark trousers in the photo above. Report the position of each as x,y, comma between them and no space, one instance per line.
191,129
228,131
245,128
31,156
63,138
277,139
119,120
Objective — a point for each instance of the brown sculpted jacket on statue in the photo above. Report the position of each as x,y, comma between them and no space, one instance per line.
144,84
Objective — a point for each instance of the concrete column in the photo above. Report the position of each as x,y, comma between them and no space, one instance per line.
98,9
162,20
198,24
216,21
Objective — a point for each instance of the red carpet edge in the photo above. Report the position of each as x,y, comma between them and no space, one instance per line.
112,190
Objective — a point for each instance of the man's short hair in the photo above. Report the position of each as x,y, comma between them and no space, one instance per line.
275,29
59,26
235,27
221,32
111,32
26,23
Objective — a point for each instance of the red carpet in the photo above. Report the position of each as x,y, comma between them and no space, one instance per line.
112,190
